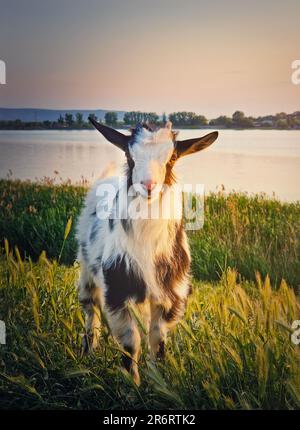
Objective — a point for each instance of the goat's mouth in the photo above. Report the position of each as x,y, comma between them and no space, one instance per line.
150,195
147,194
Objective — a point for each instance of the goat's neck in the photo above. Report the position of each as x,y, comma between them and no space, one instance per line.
159,230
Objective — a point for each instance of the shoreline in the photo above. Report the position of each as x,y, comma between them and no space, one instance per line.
123,127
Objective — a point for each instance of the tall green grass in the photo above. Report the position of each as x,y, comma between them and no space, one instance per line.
33,216
232,351
248,233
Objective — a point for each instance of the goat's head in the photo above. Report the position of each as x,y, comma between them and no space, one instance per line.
151,154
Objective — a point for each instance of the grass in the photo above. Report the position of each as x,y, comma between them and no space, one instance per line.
33,217
246,233
232,351
250,234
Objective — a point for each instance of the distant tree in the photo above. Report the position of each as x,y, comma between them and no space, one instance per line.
79,119
61,120
187,119
281,115
200,120
282,123
173,118
136,117
164,118
238,116
127,118
295,122
111,118
222,120
47,124
151,118
18,123
239,120
69,119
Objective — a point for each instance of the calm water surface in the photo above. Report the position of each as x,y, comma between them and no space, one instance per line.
249,160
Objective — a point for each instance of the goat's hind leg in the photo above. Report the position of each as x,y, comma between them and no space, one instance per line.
90,299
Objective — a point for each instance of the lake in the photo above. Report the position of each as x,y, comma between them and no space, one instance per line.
243,160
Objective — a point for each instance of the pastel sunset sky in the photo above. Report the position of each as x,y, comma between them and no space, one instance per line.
212,57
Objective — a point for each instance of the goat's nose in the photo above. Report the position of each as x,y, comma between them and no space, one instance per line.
148,185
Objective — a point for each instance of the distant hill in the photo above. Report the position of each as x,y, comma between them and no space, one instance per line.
39,115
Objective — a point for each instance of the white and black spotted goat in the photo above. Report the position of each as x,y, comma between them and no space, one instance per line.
127,260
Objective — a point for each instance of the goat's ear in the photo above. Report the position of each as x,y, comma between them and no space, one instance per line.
189,146
113,136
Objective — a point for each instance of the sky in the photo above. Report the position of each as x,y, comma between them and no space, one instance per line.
212,57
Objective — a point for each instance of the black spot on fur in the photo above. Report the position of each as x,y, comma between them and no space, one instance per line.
170,272
94,268
114,213
84,251
94,230
111,223
122,284
128,169
126,224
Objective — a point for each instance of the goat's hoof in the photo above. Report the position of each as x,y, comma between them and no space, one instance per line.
131,368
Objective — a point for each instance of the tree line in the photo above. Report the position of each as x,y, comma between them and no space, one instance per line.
179,119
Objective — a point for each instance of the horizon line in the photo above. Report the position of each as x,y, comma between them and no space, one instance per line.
163,112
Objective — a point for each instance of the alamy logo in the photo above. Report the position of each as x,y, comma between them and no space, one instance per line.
2,72
166,203
2,333
295,337
296,74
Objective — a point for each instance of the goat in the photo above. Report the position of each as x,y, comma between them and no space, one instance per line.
126,260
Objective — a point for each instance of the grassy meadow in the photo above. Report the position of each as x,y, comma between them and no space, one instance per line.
232,351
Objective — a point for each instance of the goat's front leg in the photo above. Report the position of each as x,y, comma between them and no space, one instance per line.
125,330
163,318
90,299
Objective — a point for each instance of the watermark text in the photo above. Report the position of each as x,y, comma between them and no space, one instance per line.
2,333
296,73
2,72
